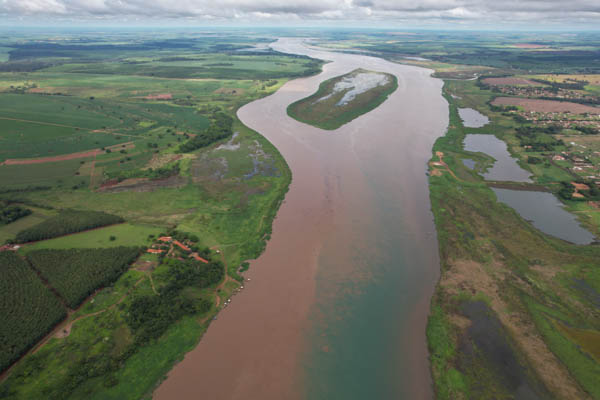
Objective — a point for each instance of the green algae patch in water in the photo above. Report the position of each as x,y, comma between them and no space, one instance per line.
341,99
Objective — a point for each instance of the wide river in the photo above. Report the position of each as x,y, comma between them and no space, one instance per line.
337,304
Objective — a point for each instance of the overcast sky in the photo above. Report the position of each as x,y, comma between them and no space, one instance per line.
377,13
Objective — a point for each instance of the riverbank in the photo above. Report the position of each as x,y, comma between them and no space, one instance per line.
351,245
505,281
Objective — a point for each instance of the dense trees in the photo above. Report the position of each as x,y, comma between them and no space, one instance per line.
29,309
77,273
11,212
150,315
220,128
67,221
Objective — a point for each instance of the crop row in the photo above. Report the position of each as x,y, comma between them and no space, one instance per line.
67,221
77,273
28,308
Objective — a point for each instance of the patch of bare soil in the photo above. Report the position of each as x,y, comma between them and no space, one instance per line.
144,184
42,160
161,96
473,277
508,81
546,105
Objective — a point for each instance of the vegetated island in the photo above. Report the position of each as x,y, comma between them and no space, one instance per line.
341,99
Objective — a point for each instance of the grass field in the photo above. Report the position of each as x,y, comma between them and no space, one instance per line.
328,107
138,106
124,235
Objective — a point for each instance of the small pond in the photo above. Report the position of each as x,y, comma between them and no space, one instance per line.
546,213
505,168
472,118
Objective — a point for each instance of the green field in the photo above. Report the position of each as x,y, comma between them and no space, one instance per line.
124,235
140,106
327,108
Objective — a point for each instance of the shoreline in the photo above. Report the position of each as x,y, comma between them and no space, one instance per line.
260,347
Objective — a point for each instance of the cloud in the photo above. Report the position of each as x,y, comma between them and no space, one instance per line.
538,11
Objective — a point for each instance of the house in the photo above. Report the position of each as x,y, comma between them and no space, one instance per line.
196,257
154,251
181,245
166,239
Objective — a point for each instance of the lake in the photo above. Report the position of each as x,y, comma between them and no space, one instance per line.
546,213
472,118
505,167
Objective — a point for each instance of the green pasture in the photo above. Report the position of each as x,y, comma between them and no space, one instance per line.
125,235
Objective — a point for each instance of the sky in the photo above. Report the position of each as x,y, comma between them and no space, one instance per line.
494,14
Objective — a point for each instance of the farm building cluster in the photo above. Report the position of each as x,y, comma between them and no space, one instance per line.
170,246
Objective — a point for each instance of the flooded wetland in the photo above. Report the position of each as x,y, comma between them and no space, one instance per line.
336,306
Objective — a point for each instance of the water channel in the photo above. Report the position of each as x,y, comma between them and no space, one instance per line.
337,304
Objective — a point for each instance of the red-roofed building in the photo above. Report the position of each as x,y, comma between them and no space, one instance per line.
166,239
154,251
181,245
195,256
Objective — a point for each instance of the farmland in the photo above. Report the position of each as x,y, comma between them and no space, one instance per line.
340,100
67,221
29,309
102,133
76,273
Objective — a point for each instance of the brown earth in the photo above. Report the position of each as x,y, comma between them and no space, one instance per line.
144,184
162,96
508,81
546,105
41,160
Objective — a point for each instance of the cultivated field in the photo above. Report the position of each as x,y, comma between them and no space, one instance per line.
29,309
546,105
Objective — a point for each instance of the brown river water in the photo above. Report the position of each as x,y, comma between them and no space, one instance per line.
336,307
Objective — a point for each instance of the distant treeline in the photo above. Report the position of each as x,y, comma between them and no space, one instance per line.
572,84
67,221
220,128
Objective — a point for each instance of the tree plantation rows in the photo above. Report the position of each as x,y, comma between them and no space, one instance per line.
29,309
77,273
67,221
99,350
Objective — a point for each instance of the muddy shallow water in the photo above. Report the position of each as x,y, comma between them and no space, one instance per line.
337,305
